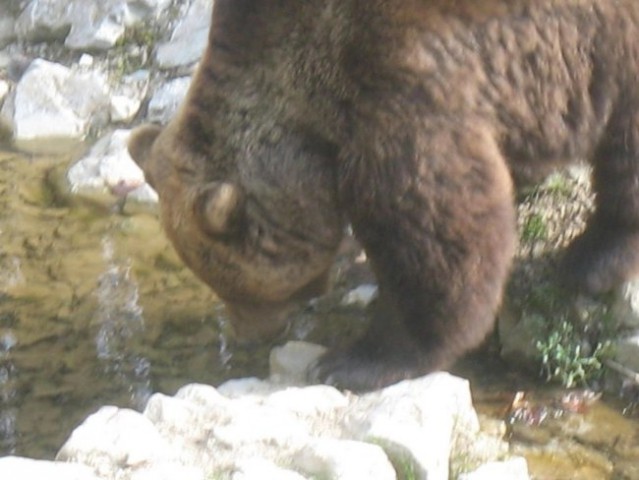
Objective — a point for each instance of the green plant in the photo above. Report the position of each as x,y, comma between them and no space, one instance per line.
140,34
566,358
132,50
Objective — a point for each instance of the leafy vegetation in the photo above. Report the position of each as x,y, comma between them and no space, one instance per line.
567,357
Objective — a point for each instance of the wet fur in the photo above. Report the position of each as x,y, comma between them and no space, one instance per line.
412,120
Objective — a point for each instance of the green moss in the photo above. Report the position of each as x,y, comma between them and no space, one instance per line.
557,185
534,228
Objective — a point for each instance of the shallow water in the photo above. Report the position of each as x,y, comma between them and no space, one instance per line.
96,309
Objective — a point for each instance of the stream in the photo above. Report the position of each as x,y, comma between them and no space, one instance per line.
96,309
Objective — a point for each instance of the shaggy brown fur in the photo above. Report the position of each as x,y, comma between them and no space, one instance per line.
408,119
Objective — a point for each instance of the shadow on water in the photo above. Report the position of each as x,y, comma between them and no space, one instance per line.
96,309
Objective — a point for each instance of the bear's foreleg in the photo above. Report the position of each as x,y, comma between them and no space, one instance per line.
434,212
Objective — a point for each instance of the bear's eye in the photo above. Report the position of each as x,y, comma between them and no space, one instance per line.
185,172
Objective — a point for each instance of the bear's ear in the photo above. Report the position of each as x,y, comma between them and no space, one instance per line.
218,208
141,141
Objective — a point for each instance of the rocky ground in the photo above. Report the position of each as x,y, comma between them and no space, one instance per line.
281,429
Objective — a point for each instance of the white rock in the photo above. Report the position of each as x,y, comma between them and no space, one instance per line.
102,26
289,363
239,426
124,108
515,468
109,167
175,414
252,429
398,417
189,38
128,95
169,471
16,468
167,99
246,388
86,60
113,439
261,469
54,102
204,396
258,425
345,460
4,89
361,296
315,400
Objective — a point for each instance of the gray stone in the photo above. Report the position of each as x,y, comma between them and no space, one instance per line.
96,26
627,351
189,38
44,20
167,99
84,24
7,30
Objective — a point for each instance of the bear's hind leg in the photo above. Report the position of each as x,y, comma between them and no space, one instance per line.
607,253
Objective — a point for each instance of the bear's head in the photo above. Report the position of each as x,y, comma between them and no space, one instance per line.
261,233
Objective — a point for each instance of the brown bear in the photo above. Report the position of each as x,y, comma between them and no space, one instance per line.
410,120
